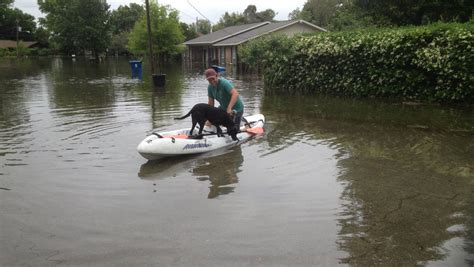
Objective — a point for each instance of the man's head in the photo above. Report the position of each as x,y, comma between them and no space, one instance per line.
211,76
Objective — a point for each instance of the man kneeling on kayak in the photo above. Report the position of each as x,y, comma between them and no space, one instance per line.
224,92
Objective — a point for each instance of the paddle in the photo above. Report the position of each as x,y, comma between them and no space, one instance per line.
256,130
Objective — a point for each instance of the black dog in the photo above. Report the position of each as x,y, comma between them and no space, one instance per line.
202,112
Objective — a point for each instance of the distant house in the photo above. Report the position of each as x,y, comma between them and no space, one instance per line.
221,47
9,44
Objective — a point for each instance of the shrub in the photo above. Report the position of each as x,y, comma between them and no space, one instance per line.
432,63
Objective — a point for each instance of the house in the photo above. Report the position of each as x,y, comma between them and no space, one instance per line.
9,44
221,47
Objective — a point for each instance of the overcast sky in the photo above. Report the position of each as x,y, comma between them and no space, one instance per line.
211,9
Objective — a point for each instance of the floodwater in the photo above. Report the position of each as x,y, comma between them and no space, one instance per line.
331,182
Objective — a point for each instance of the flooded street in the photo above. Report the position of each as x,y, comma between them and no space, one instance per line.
331,182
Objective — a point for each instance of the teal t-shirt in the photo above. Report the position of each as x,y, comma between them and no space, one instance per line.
222,94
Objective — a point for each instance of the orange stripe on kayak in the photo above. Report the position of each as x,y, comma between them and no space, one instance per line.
177,136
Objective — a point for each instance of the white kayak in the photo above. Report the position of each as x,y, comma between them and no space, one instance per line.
178,142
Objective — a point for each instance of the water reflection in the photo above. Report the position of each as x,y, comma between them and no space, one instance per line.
468,245
404,187
165,104
56,105
166,168
222,171
220,168
18,78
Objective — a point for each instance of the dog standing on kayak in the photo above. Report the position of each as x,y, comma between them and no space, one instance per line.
202,112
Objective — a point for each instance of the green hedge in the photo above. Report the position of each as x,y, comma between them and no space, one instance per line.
433,63
4,52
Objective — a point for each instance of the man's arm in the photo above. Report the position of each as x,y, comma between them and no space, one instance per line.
234,95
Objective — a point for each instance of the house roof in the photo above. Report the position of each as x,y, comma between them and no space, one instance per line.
12,44
220,35
266,29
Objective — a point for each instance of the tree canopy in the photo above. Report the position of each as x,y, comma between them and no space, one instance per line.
166,33
122,21
250,15
201,26
8,22
416,12
124,17
347,14
77,25
5,3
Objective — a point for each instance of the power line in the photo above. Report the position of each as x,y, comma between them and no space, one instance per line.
198,11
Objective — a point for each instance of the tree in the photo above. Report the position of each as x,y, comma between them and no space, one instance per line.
78,25
42,36
8,22
122,21
124,17
250,15
6,3
347,19
266,15
203,26
350,14
166,32
416,12
119,43
319,12
295,14
188,30
231,19
191,31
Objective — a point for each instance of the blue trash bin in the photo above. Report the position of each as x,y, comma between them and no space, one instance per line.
218,69
136,69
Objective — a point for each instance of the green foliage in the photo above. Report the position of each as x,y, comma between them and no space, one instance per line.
263,51
4,52
12,52
5,3
77,25
166,32
228,20
39,52
250,15
188,30
122,21
295,14
353,14
432,63
124,18
266,15
416,12
8,22
347,18
319,12
119,43
42,36
203,26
